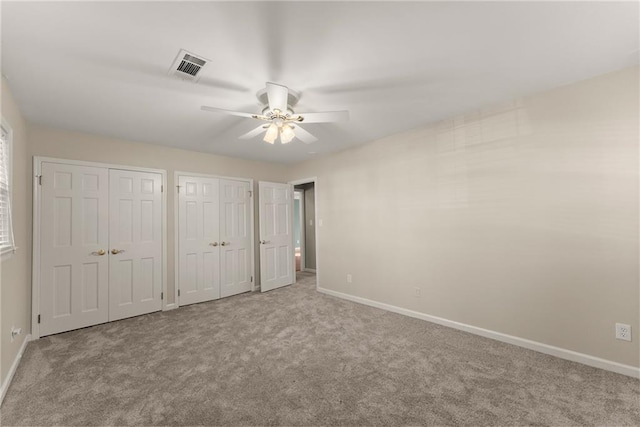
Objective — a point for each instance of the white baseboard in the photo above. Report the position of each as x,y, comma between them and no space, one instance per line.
170,307
562,353
14,367
310,270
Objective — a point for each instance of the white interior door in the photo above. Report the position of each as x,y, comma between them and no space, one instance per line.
73,247
276,235
198,239
235,237
135,240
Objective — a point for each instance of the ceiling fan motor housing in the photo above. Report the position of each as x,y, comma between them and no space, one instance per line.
292,99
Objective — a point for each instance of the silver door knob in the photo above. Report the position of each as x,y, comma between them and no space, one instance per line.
213,244
264,242
116,251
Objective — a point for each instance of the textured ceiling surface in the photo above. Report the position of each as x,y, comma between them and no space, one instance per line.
102,67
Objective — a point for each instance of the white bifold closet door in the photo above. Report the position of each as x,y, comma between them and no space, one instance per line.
214,238
100,245
199,250
74,242
235,237
135,239
276,235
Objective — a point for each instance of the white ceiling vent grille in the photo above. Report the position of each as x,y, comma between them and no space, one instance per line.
188,66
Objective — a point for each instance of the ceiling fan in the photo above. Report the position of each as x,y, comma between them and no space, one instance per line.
279,118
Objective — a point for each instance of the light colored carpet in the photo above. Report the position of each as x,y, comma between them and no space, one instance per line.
297,357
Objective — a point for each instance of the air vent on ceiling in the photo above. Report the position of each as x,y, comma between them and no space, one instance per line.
188,66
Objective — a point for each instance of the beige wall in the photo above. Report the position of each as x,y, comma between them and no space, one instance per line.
15,271
522,219
80,146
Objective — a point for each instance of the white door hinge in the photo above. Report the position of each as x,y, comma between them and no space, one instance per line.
250,193
39,179
162,188
178,187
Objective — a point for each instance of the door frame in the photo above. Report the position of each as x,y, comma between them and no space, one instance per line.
176,228
303,224
37,195
313,179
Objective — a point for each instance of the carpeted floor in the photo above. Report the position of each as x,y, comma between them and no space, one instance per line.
297,357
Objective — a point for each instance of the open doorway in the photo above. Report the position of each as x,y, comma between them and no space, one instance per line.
305,227
298,228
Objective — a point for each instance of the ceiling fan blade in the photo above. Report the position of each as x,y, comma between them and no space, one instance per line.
303,135
253,133
325,117
277,95
232,113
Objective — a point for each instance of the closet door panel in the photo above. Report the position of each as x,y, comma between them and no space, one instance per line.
198,239
135,239
73,247
276,235
235,236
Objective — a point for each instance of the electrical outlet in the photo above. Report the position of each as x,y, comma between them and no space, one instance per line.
349,278
15,332
417,292
623,332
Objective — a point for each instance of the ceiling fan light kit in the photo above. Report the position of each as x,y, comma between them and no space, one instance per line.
286,134
283,121
272,134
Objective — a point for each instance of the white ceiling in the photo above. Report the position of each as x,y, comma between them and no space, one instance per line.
102,67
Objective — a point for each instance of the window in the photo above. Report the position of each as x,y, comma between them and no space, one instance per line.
6,226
